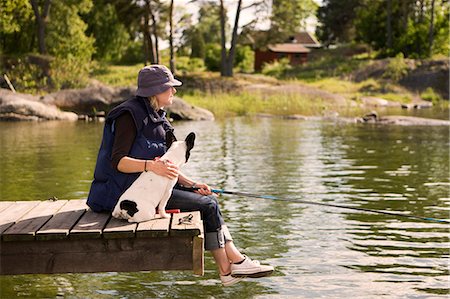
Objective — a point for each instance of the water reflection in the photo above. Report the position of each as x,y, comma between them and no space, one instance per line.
317,251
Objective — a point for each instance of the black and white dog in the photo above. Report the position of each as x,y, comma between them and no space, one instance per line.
151,191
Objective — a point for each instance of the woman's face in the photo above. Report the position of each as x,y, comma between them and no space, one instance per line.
165,98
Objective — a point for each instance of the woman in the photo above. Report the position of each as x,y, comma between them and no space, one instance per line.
133,138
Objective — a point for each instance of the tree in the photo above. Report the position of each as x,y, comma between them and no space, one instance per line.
172,57
430,32
389,24
111,36
408,27
151,44
336,21
17,27
41,16
289,17
228,55
197,45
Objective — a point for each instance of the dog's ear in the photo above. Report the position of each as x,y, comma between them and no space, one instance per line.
170,138
189,144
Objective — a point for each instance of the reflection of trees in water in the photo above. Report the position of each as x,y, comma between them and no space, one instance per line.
45,159
398,164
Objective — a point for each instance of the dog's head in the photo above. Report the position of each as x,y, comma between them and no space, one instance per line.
178,149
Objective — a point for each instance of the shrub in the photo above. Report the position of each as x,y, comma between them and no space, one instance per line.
186,64
244,59
212,57
277,68
430,95
26,77
69,72
396,68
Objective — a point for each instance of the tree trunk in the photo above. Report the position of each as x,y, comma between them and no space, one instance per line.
172,59
41,21
148,42
223,62
431,35
389,24
149,30
155,35
232,52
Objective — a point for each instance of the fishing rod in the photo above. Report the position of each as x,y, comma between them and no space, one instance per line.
245,194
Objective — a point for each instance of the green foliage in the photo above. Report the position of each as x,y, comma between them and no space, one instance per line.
244,59
289,16
17,27
111,36
117,75
336,19
367,21
68,72
396,68
277,68
212,57
185,64
208,22
430,95
66,36
197,45
68,43
410,24
132,54
12,12
26,77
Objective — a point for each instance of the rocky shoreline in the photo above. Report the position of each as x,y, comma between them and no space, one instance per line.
91,103
82,104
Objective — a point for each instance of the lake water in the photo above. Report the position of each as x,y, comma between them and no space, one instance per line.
318,252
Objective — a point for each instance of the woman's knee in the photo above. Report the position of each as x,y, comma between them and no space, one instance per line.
210,204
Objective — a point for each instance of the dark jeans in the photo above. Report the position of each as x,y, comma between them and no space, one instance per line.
216,232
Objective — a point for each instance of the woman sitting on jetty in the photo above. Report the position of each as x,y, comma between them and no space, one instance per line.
133,138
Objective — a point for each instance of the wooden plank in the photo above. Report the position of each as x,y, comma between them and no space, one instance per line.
26,227
119,228
90,225
194,227
198,251
96,255
153,228
9,216
5,204
59,226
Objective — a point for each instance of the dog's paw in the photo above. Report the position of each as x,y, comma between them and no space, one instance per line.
163,214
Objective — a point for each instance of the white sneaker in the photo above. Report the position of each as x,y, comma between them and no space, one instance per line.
249,268
228,280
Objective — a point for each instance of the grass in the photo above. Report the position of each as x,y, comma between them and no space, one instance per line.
117,75
225,104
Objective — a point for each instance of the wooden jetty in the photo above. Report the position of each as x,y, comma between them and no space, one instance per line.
65,236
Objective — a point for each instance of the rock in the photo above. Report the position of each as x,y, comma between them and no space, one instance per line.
401,120
180,110
17,106
412,121
420,105
378,102
84,101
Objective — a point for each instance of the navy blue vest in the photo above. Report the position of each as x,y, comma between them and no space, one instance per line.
109,183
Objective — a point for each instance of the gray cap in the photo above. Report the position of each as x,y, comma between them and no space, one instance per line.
154,79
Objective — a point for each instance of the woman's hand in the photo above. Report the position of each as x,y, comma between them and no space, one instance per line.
204,189
164,168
